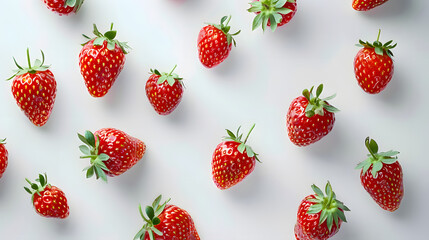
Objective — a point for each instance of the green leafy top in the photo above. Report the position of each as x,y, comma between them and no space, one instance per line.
152,219
225,29
36,188
90,150
316,104
237,138
379,47
74,3
37,66
170,77
109,36
328,206
3,141
268,10
376,159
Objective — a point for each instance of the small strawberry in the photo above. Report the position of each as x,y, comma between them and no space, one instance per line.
164,91
317,214
272,13
232,160
34,89
64,7
48,200
166,222
310,118
101,60
215,43
3,157
373,65
365,5
111,151
381,176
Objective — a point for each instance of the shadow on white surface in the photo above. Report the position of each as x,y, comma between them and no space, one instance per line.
248,189
390,9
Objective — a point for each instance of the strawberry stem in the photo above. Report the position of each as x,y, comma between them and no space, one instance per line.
28,58
248,134
227,20
172,70
378,37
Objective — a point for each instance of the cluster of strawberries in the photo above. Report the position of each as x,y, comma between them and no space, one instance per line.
112,152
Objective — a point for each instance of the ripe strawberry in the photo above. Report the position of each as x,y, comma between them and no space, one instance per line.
34,89
3,157
166,222
64,7
101,60
111,151
373,65
278,12
164,91
381,176
215,43
48,200
317,214
310,118
232,160
365,5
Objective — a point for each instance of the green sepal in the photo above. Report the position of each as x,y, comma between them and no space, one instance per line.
74,3
170,77
152,219
242,147
37,66
379,48
317,105
223,26
268,10
3,141
36,188
108,37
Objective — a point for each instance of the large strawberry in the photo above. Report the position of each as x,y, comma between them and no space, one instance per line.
365,5
382,177
111,151
373,65
101,60
64,7
310,118
272,13
232,160
164,91
319,217
3,157
215,43
48,200
34,89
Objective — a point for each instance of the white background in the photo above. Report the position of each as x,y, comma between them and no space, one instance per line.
254,85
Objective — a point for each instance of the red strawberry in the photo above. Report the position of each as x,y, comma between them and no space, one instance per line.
215,43
164,91
381,176
111,151
310,118
101,60
279,12
49,201
374,66
64,7
232,160
3,157
34,89
319,216
365,5
166,222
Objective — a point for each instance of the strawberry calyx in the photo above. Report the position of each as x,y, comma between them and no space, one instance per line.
152,219
376,159
170,77
316,105
225,29
36,188
3,141
109,36
243,146
379,47
330,209
37,66
74,3
90,150
268,10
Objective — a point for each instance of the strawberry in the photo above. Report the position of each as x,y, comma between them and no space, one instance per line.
232,160
164,91
310,118
64,7
101,60
48,200
112,152
381,176
34,89
365,5
272,13
3,157
319,216
215,43
166,222
373,65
